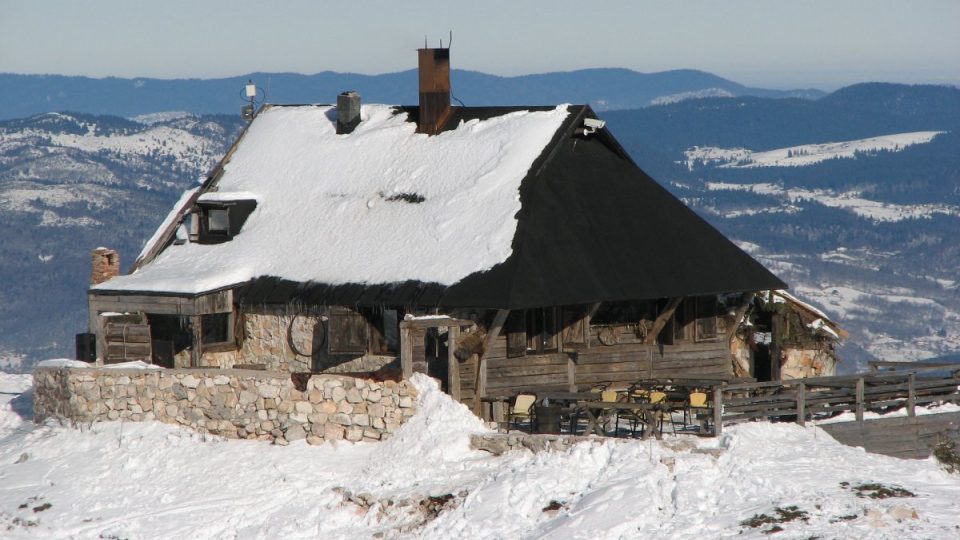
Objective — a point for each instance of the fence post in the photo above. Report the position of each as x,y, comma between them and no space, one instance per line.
911,395
859,398
717,411
802,404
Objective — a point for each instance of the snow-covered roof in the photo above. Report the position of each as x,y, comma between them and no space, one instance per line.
383,204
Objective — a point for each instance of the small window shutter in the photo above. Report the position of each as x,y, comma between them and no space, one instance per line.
348,332
516,334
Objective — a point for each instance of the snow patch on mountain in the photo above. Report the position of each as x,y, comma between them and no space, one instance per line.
852,201
806,154
694,94
159,117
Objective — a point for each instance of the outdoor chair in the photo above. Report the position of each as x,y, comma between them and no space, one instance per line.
697,400
659,397
522,409
612,396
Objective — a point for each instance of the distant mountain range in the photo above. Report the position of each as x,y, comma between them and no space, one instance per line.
852,198
604,89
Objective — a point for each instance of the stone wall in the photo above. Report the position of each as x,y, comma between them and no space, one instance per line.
245,404
285,339
802,363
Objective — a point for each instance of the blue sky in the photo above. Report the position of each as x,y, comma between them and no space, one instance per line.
773,43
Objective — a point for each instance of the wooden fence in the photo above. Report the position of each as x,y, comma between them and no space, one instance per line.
801,400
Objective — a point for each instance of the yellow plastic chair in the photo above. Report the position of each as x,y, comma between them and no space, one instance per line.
697,400
609,396
522,408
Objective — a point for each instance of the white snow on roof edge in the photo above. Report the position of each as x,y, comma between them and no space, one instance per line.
167,221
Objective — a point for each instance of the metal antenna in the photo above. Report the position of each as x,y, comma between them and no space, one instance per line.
450,41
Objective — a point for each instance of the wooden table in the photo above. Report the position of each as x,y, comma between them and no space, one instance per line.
642,412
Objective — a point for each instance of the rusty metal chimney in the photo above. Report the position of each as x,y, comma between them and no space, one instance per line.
434,65
348,112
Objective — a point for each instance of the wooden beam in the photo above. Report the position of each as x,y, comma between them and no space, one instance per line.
195,350
717,411
481,385
406,352
591,311
661,321
453,366
745,302
802,404
911,395
439,322
858,400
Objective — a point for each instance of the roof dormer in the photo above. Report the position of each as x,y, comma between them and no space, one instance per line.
220,215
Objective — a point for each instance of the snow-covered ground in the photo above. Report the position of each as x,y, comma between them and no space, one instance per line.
150,480
805,154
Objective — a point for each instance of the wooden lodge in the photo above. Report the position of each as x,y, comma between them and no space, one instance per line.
495,248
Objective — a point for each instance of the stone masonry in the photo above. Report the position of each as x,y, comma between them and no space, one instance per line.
105,264
243,404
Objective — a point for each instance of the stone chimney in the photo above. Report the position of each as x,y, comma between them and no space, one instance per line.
106,265
348,112
434,65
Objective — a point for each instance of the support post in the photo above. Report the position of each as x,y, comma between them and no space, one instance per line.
195,351
406,352
453,366
717,411
802,404
745,302
481,387
571,372
911,395
662,319
95,325
776,323
859,400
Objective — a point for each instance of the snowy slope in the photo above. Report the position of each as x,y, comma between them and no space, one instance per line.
806,154
149,480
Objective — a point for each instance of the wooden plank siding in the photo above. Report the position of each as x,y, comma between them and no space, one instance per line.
910,437
617,365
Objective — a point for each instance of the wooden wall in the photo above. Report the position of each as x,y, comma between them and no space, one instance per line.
910,437
583,367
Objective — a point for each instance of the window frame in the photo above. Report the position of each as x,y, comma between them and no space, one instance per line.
229,343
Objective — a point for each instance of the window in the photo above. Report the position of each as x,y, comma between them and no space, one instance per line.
348,331
216,329
541,324
218,221
531,331
706,312
516,334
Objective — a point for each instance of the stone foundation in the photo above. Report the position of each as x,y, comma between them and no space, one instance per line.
244,404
